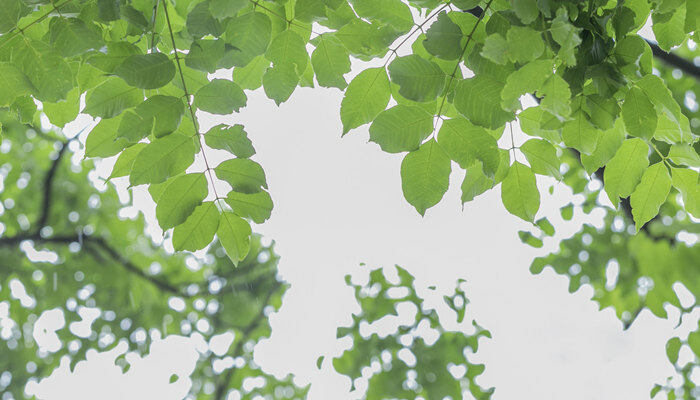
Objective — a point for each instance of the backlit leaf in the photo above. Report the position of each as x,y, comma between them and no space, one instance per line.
425,175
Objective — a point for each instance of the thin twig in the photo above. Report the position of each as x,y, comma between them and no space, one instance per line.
98,243
459,61
189,103
415,29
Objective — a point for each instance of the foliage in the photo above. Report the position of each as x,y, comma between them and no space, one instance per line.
687,388
143,68
76,259
80,260
616,122
420,358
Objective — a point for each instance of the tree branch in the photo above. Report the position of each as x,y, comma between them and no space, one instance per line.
98,243
673,60
129,266
48,188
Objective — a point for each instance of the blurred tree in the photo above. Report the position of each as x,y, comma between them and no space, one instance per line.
616,123
63,249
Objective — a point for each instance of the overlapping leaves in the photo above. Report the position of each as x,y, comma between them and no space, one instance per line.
582,60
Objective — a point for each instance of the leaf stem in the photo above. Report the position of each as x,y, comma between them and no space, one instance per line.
416,28
41,18
189,103
459,61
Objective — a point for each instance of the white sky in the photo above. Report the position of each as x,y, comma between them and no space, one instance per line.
338,202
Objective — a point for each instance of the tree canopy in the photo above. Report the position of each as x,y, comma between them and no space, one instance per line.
607,113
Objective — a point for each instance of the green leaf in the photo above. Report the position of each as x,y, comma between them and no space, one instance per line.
242,174
24,108
567,212
475,100
102,141
526,10
162,114
364,40
14,84
557,96
230,138
48,71
71,36
250,77
146,71
546,226
673,346
12,11
250,34
580,134
133,127
639,114
602,111
443,38
331,61
200,21
418,79
526,79
534,121
542,157
529,239
117,52
401,128
524,44
684,154
625,169
466,143
650,194
180,197
125,160
425,176
279,82
310,10
390,12
64,111
607,144
110,98
495,49
663,101
566,35
199,228
668,27
288,48
687,181
256,206
366,96
205,54
220,96
163,158
475,183
221,9
519,192
234,235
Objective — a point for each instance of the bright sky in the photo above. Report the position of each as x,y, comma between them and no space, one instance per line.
338,203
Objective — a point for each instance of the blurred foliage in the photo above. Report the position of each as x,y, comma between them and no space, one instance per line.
683,387
97,263
420,358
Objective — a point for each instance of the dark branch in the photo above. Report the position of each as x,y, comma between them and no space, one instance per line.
97,243
673,60
129,266
48,189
